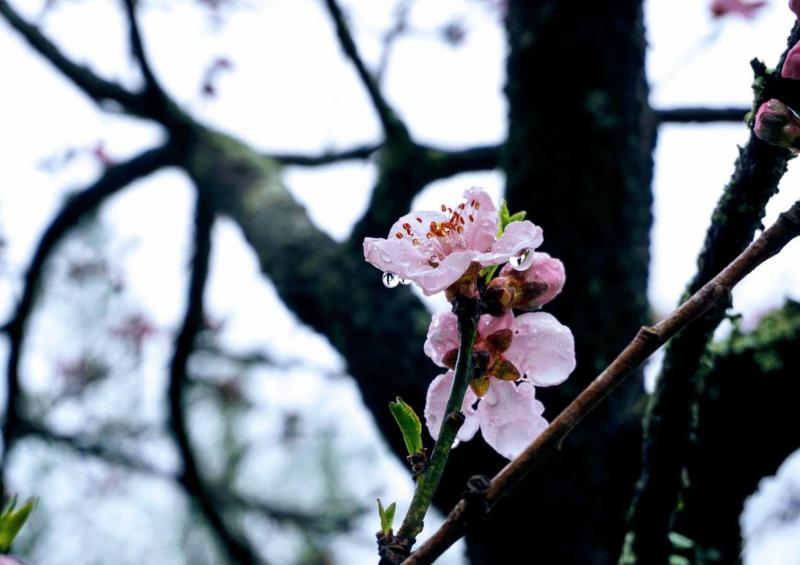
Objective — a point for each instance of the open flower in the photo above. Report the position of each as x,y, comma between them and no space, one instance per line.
508,415
436,249
533,348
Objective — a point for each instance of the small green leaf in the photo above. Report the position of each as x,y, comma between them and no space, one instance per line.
409,424
387,517
12,521
518,217
506,218
679,541
678,560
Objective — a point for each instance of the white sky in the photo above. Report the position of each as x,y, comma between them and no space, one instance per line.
291,90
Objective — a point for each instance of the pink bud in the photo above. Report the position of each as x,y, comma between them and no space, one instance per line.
791,66
532,288
744,8
777,125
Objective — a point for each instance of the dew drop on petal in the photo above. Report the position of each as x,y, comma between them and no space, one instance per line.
522,261
390,280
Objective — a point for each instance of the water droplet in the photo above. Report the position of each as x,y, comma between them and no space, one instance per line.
522,261
390,280
404,281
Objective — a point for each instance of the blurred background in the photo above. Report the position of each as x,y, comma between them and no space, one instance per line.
299,347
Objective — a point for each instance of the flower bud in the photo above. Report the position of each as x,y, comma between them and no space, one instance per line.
532,288
791,66
777,125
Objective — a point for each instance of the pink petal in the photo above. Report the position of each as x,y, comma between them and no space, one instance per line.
480,232
517,238
542,348
791,66
436,403
442,336
742,7
794,6
487,325
510,417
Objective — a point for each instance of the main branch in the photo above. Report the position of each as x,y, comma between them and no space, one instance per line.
715,293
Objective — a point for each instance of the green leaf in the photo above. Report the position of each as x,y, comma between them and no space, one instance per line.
12,520
387,516
409,424
678,560
680,541
506,217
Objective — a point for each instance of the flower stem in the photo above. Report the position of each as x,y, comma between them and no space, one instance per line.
466,311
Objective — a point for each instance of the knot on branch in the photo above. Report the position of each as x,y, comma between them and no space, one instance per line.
393,549
418,462
474,496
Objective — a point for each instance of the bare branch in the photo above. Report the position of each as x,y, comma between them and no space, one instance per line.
151,84
445,163
237,549
389,120
98,89
397,29
700,115
78,206
715,293
329,158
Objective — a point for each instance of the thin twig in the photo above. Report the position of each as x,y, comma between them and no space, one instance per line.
151,84
399,26
391,124
700,115
359,152
115,178
237,549
716,292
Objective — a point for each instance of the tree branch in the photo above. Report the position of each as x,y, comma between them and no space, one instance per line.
389,120
447,163
714,293
151,85
359,152
98,89
667,425
700,115
76,207
92,448
236,548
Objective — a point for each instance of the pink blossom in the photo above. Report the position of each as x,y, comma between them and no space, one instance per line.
538,347
436,249
533,348
777,125
791,66
529,289
747,9
508,415
794,6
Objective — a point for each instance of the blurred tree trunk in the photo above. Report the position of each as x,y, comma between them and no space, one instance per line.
579,159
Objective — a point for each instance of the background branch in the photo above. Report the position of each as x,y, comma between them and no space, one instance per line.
700,115
115,178
645,343
667,424
359,152
237,549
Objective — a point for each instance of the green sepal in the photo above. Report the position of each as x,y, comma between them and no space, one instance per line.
409,424
12,520
387,517
506,217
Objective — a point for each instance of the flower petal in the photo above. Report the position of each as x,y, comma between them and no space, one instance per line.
436,403
517,237
481,231
510,417
489,324
543,349
442,337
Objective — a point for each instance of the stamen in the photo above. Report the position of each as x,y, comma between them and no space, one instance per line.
398,235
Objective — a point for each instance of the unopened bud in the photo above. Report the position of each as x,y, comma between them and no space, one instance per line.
776,124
